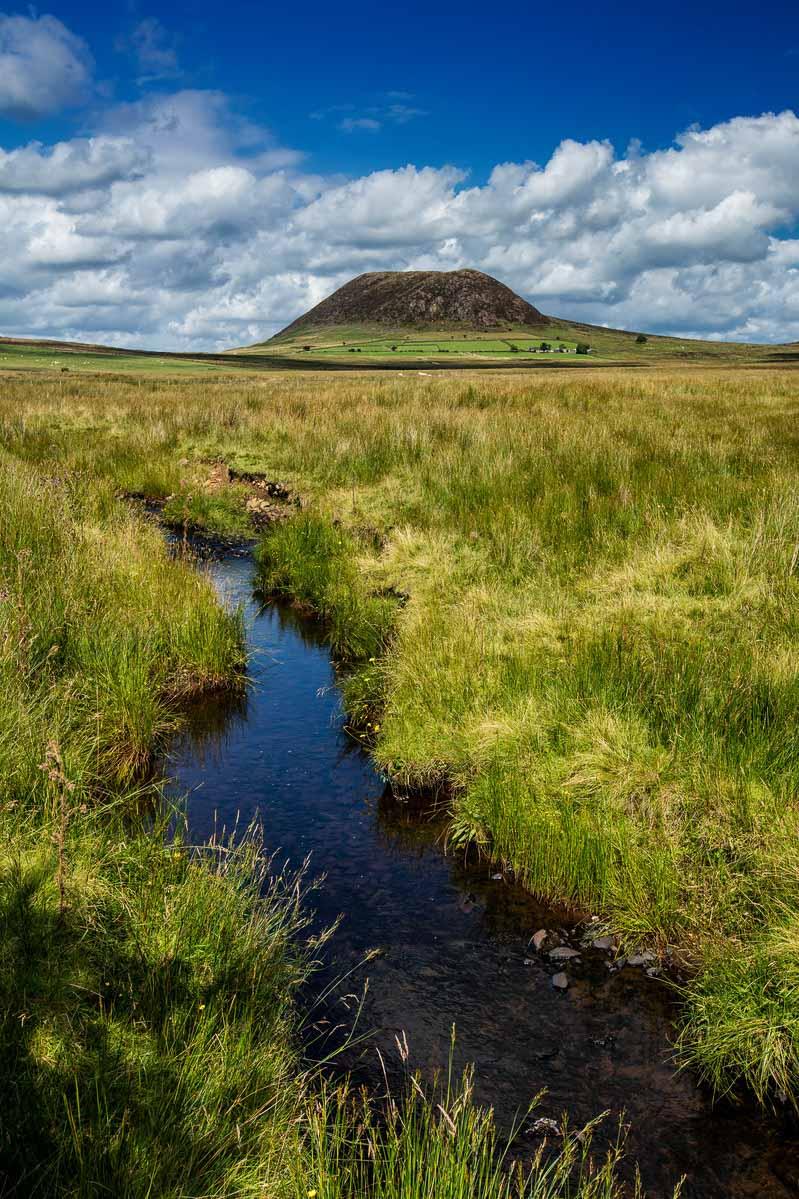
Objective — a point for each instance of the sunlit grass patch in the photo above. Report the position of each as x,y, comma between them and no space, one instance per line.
101,632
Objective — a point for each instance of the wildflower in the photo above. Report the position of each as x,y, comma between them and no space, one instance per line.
377,728
202,1007
312,1194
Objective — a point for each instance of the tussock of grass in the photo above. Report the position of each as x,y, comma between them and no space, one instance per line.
100,634
311,560
441,1145
741,1021
223,513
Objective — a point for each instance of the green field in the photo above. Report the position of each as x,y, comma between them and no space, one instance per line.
606,345
41,356
344,343
149,1032
598,658
361,347
436,347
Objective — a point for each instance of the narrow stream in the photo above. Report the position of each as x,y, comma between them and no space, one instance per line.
453,938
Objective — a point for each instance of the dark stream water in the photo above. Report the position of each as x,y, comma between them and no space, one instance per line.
453,938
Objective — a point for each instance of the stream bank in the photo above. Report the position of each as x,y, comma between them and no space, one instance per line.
453,939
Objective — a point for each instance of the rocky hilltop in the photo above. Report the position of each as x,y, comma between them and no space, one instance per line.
420,299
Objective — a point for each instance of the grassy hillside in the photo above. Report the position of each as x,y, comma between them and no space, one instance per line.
65,357
357,347
508,345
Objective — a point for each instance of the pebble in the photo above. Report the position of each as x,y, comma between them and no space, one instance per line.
641,959
537,940
497,878
560,981
604,943
563,953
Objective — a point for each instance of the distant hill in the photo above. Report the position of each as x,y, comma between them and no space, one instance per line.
420,300
465,318
405,320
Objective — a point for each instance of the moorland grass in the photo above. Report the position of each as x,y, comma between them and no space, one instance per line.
598,655
437,1144
146,1014
148,1030
312,561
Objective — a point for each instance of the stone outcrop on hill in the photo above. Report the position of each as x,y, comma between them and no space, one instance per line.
416,299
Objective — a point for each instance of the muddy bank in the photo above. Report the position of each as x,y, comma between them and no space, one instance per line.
264,501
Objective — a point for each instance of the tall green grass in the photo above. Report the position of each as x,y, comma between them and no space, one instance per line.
148,1031
146,1014
311,560
440,1145
101,636
599,650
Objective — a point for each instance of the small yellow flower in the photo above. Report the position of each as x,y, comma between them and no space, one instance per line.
377,728
312,1194
202,1007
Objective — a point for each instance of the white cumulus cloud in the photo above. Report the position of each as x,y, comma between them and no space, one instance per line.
44,67
180,224
71,166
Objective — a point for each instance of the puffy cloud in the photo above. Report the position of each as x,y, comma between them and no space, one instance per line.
386,208
214,200
182,225
192,129
750,154
71,166
43,67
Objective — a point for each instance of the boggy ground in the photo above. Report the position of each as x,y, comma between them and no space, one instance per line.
597,645
148,1033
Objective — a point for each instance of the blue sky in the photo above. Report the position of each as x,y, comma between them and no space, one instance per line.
224,149
478,86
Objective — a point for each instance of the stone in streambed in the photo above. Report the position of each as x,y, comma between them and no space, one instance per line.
537,940
563,953
560,981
